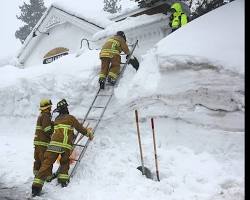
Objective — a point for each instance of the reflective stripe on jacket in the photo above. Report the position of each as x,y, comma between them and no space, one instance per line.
114,46
62,137
44,129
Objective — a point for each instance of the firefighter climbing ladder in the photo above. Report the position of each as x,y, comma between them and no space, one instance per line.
103,96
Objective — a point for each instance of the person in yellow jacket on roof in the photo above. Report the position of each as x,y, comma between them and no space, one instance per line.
178,18
61,144
111,59
44,130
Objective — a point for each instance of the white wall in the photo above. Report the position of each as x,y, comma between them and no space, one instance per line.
147,35
64,35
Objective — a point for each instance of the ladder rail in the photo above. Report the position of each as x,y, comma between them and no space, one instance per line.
88,141
126,63
85,146
86,115
72,173
104,109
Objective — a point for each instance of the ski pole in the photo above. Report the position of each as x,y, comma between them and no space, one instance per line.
156,160
139,140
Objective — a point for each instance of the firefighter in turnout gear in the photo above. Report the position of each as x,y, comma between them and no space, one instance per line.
178,18
44,130
61,144
110,54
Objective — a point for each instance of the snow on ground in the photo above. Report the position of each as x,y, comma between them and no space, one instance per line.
197,101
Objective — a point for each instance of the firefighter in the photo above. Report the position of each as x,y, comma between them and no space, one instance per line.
110,54
61,144
178,18
44,130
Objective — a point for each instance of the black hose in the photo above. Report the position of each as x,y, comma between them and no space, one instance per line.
84,39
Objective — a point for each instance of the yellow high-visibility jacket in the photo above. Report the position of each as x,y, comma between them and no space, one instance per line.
178,18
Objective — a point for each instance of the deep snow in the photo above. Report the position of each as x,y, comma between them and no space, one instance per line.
196,96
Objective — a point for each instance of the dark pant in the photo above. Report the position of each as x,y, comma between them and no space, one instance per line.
110,67
39,152
47,165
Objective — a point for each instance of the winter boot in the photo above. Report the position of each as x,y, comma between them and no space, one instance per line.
50,178
102,83
111,81
64,184
36,191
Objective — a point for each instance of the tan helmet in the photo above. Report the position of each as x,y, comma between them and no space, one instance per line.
45,103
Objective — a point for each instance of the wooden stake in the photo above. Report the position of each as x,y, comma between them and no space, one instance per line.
139,140
155,152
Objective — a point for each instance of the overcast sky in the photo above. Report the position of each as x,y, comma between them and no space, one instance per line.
9,23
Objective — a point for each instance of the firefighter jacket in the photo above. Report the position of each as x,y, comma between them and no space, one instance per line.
178,18
114,46
62,138
44,129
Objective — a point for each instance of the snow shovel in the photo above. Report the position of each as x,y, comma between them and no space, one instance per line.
134,62
145,171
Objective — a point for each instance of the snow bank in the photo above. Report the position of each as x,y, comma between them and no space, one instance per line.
198,107
22,89
216,38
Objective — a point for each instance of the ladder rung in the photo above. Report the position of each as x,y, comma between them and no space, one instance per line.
110,85
79,145
74,159
92,119
104,95
98,106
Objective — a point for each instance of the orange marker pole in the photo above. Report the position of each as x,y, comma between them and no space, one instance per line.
155,152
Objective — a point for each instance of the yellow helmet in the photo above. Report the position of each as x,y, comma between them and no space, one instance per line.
45,103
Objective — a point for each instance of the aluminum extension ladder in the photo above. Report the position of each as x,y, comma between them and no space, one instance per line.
103,96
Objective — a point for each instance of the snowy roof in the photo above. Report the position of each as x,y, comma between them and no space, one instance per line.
128,24
136,10
80,10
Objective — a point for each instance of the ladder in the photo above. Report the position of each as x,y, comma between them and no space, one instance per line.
103,96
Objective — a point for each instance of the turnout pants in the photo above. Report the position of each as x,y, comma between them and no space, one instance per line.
110,67
39,158
47,165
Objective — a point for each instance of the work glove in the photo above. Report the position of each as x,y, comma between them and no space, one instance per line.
74,136
90,133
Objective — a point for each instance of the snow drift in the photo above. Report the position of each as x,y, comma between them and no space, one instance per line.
195,95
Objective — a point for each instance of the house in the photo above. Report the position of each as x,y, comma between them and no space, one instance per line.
58,33
147,29
63,28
